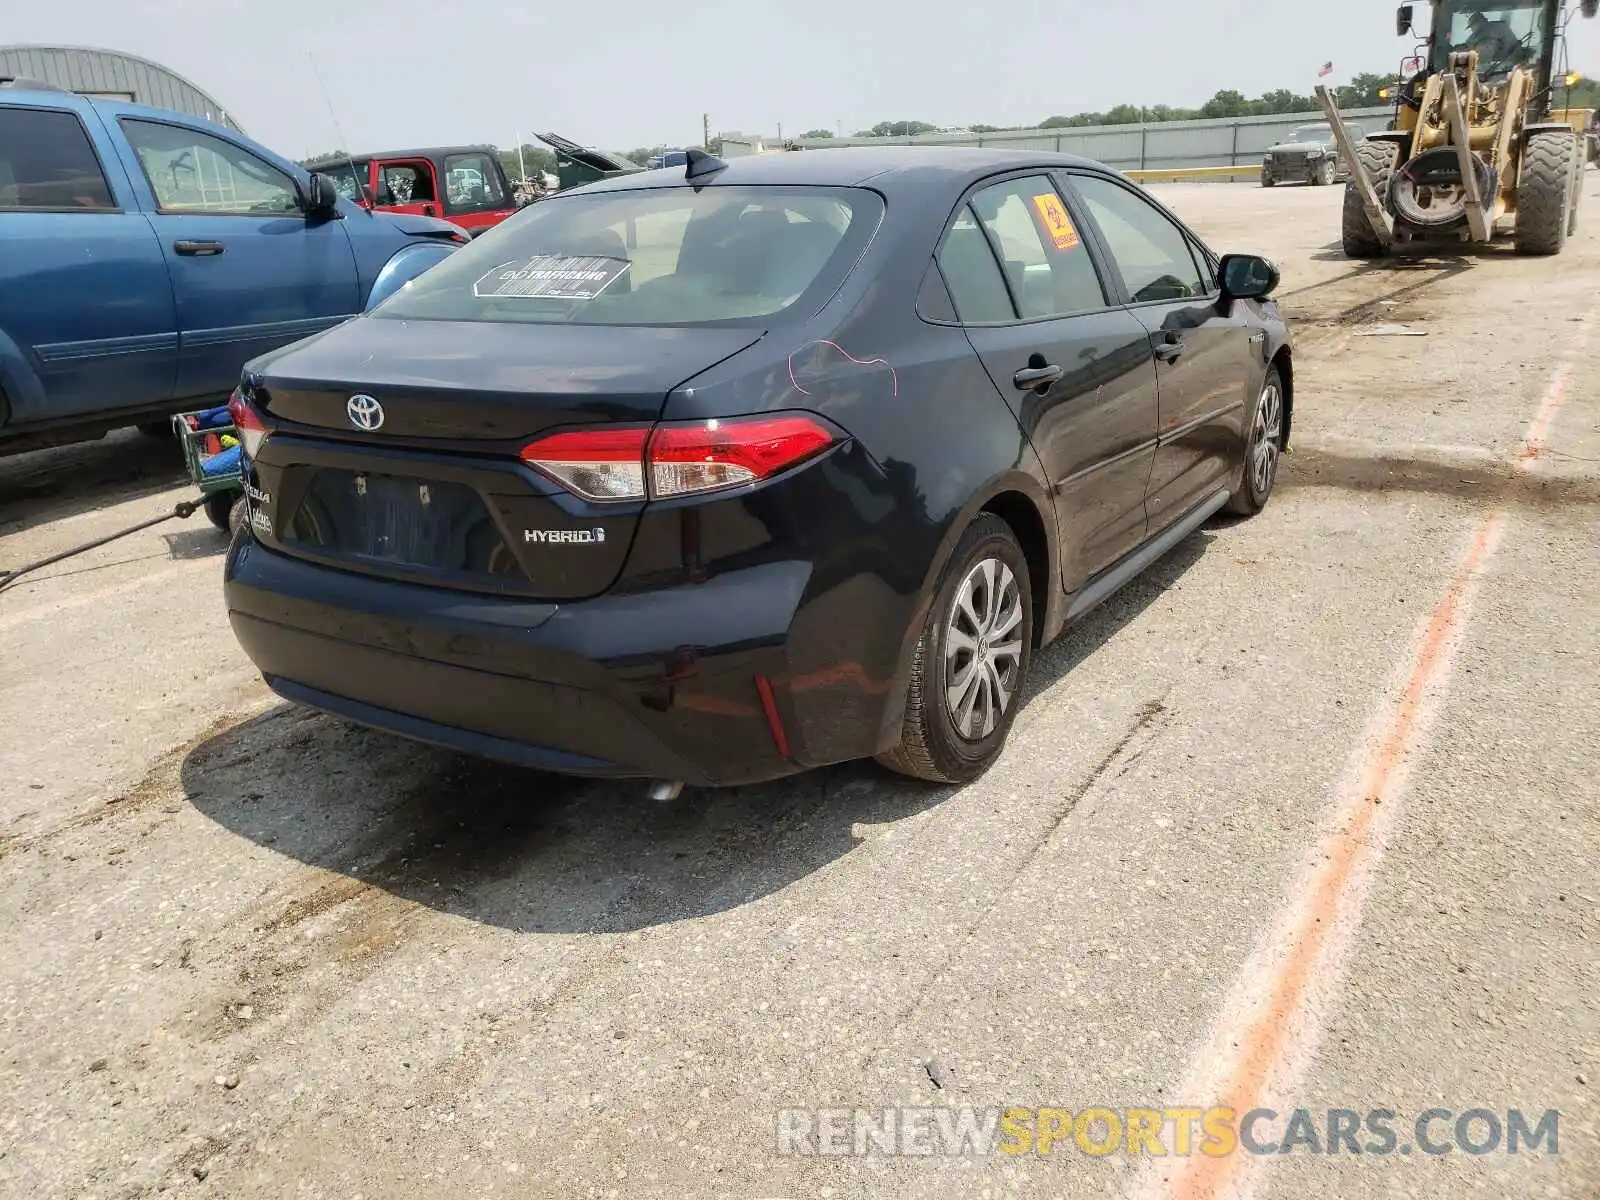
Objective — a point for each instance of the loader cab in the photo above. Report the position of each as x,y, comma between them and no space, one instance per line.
1506,34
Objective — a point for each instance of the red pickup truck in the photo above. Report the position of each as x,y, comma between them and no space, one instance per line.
463,184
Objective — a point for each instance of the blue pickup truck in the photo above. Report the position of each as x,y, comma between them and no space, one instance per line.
146,255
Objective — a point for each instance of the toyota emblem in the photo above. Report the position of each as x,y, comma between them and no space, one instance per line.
364,412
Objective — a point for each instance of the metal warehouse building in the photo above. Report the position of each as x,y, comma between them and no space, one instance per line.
114,75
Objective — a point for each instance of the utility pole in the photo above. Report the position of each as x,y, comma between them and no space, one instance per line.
705,130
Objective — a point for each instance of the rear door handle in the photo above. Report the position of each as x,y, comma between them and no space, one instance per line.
1029,378
202,249
1168,351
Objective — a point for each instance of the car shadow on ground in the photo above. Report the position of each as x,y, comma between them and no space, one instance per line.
49,485
201,539
530,852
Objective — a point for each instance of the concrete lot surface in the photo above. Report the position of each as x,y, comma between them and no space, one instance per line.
1305,818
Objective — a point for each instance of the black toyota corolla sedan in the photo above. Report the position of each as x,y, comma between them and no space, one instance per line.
722,472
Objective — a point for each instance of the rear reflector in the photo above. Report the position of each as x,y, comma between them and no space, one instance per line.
677,459
251,428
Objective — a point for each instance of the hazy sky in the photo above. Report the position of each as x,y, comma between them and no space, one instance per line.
624,73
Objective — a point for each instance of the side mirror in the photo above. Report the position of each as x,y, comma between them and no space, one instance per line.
1246,277
1403,20
322,197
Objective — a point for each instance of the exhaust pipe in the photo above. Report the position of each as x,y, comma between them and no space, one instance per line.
664,791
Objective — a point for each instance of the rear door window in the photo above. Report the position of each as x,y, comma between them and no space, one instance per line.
650,256
1045,261
972,273
48,163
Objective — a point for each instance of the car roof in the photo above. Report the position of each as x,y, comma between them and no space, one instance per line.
32,95
889,168
428,152
19,92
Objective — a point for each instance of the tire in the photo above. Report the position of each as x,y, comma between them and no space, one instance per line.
1263,448
1267,180
930,745
1544,191
1377,159
1323,175
219,509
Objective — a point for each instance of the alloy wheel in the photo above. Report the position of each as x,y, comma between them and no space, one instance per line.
1268,438
983,649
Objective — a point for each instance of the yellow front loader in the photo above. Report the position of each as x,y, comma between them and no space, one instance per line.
1478,148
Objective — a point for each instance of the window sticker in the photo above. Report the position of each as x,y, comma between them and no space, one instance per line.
551,277
1056,221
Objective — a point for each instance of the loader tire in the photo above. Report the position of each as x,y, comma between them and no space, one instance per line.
1544,191
1377,160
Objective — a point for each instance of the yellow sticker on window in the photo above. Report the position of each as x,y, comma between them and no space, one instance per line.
1056,222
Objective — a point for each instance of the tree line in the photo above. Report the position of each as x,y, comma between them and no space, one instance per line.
1360,92
1363,91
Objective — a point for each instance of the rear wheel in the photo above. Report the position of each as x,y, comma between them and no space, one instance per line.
220,508
1262,448
971,660
1544,191
1377,159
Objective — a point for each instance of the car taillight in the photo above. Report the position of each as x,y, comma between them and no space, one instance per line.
708,455
676,459
252,430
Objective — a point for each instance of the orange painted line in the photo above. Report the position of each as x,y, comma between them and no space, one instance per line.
1269,1026
1555,398
1262,1045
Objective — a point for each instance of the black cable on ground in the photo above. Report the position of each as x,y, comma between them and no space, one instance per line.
182,509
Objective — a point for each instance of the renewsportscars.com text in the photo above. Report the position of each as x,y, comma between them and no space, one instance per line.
1174,1131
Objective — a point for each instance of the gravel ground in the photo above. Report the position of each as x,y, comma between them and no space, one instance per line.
253,951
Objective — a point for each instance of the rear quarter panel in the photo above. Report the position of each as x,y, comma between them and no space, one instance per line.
930,442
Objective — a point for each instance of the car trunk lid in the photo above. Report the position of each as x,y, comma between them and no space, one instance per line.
394,446
472,382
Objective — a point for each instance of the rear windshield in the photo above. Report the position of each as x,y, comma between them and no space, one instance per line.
657,256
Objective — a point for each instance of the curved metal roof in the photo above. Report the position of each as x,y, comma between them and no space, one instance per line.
93,71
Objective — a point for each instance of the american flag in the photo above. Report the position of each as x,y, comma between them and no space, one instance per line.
1327,69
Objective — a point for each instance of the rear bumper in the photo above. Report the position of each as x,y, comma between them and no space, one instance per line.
691,682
